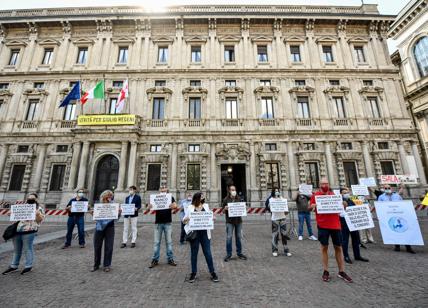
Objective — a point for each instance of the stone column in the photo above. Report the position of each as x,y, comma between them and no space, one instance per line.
132,163
81,181
418,161
39,167
253,167
122,166
291,166
174,167
213,167
329,161
402,151
3,155
73,168
367,159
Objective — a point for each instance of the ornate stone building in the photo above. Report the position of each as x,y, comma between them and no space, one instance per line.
259,95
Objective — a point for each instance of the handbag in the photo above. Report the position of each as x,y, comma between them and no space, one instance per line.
191,236
10,231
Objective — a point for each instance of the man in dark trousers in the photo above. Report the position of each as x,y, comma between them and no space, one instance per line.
133,198
75,218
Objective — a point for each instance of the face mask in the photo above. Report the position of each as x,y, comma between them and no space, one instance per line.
346,196
233,193
325,188
31,201
189,198
277,194
388,191
80,195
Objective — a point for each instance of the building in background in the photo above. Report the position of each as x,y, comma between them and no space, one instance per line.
260,96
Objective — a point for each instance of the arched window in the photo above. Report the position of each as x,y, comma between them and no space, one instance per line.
420,51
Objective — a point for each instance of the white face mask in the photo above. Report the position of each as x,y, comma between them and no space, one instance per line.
233,193
277,194
80,195
189,198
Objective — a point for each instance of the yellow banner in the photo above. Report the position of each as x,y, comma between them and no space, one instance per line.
106,119
425,201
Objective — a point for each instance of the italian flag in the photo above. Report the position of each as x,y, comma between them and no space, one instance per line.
96,92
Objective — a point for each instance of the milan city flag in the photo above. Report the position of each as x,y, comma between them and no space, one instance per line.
122,97
96,92
72,96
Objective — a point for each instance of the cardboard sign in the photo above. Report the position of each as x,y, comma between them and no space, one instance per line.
278,205
359,217
106,211
22,212
370,182
79,206
237,209
329,204
128,209
305,189
201,221
160,201
398,223
398,179
360,190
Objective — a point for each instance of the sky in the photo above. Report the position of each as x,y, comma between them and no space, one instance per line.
389,7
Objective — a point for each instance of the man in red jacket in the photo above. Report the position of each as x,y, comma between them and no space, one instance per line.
329,226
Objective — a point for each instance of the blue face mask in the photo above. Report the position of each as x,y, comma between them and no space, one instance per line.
346,196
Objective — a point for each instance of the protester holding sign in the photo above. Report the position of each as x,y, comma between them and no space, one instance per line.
23,240
163,226
329,226
183,206
202,237
231,224
76,218
302,203
135,199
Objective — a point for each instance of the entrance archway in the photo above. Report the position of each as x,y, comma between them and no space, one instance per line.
107,172
233,174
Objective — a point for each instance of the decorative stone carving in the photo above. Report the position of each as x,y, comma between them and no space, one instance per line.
233,152
104,26
162,91
266,90
301,91
195,91
368,91
231,91
66,26
32,28
245,24
212,23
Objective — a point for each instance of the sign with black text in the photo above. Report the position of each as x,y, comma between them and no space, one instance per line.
329,204
278,205
360,190
128,209
359,217
22,212
79,206
106,211
237,209
160,201
201,221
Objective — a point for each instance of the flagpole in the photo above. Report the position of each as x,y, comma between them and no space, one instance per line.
104,96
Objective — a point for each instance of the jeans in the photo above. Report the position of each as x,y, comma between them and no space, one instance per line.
126,222
238,238
279,228
182,234
23,242
159,229
106,236
80,222
302,217
355,238
202,238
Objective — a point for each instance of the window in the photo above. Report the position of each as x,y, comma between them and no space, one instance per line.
70,112
262,55
22,149
309,146
420,52
153,176
383,145
346,145
295,54
160,83
4,86
299,83
270,146
14,56
359,54
229,54
123,55
265,83
230,83
193,177
272,172
303,107
267,108
82,55
1,103
231,108
195,54
387,167
158,108
62,148
351,173
16,177
32,109
327,53
334,82
312,174
112,106
39,85
155,148
163,54
117,84
195,108
368,83
340,107
57,177
374,107
194,148
47,57
195,83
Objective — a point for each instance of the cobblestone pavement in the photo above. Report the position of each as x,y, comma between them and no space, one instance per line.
62,277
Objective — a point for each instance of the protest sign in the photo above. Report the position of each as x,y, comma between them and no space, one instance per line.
22,212
160,201
278,205
329,204
336,192
237,209
128,209
305,189
79,206
360,190
359,217
398,179
106,211
425,200
201,221
370,182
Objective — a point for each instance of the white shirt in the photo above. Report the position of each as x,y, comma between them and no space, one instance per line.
191,208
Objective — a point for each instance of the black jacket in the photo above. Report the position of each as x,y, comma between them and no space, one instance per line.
135,200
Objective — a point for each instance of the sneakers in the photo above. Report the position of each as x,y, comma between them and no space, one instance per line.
227,258
300,238
10,270
107,269
65,247
154,263
123,245
242,256
214,277
345,277
95,268
326,276
313,238
275,254
192,277
26,270
82,246
133,245
172,263
288,254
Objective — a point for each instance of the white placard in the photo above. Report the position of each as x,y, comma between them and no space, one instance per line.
128,209
22,212
398,179
398,223
106,211
305,189
201,221
336,192
329,204
79,206
160,201
237,209
370,182
278,205
360,190
359,217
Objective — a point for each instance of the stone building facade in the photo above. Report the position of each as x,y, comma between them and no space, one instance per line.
260,96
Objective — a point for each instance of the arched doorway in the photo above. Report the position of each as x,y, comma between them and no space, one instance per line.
107,172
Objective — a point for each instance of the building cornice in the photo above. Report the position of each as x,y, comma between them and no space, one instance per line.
407,16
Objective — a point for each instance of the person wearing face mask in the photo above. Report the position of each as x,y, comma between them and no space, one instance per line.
302,204
355,237
26,231
231,224
183,204
75,218
135,199
329,226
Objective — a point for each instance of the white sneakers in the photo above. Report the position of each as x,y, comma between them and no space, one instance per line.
300,238
288,254
313,238
275,254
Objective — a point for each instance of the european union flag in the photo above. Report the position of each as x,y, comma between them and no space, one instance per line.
73,95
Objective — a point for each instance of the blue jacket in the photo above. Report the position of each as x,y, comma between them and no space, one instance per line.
137,201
